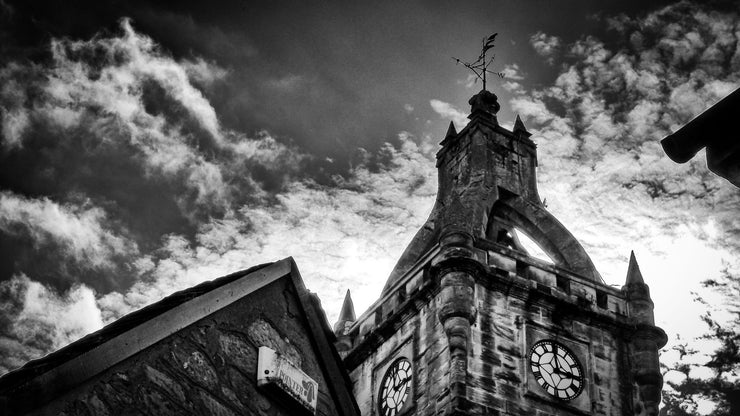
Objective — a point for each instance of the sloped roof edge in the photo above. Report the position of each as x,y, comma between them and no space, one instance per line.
142,328
165,309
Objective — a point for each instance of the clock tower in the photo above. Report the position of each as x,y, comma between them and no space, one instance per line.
469,323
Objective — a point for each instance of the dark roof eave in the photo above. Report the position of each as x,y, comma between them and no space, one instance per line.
707,129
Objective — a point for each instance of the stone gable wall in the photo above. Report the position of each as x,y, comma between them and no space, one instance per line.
208,368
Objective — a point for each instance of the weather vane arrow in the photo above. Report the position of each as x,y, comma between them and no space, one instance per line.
480,65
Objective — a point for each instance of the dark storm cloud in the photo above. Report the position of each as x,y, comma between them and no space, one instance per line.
113,130
331,76
304,70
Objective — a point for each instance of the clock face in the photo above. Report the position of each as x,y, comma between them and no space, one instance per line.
395,388
556,369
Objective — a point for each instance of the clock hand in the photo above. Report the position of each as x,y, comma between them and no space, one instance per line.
402,383
565,373
570,374
555,353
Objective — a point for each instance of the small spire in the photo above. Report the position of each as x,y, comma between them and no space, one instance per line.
348,309
633,271
451,132
518,125
519,128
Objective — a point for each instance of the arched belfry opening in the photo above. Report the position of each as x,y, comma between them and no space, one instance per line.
512,216
510,236
532,248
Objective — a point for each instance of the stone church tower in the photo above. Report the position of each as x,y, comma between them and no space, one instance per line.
470,324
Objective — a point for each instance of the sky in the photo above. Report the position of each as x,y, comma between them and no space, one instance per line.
145,148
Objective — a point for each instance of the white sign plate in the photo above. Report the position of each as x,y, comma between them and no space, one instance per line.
274,369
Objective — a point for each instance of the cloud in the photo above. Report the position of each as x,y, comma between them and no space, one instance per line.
602,169
446,110
124,94
122,132
41,320
512,72
343,235
80,231
129,60
125,139
469,81
14,116
545,45
204,73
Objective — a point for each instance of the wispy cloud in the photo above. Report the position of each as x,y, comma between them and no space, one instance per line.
512,72
346,234
603,119
128,141
545,45
143,168
123,102
448,111
80,231
41,320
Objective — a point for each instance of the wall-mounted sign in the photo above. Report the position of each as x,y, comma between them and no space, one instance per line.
275,370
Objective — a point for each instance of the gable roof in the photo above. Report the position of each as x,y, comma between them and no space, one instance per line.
62,370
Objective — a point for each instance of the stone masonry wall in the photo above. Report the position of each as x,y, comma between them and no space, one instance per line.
519,301
429,359
499,376
548,303
208,368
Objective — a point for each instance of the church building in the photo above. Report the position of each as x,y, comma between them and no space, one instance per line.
469,323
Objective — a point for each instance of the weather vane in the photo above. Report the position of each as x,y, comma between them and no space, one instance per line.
480,65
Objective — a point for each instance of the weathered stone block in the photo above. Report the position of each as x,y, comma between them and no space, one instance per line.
165,382
196,366
502,262
153,402
262,333
210,405
544,277
238,351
